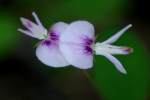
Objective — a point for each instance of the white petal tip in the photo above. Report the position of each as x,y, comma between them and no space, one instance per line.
21,30
22,18
130,25
33,13
120,68
124,72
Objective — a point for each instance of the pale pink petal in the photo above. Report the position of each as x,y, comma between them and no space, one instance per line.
115,37
77,56
50,55
77,31
116,62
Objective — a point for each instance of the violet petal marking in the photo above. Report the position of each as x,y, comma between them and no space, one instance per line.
87,43
47,42
53,36
29,25
88,50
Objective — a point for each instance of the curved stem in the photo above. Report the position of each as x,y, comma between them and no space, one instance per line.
90,80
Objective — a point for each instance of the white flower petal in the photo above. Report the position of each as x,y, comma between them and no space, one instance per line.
116,62
76,31
50,55
76,56
59,27
115,37
73,42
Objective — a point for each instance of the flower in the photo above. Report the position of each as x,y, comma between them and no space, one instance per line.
73,44
48,51
78,46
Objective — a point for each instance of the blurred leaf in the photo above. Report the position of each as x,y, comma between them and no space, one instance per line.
116,86
105,11
8,34
96,10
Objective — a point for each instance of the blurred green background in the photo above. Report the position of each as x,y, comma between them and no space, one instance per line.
23,77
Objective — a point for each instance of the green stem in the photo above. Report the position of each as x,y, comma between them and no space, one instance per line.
90,80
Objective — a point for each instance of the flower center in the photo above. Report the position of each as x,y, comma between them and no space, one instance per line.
51,38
